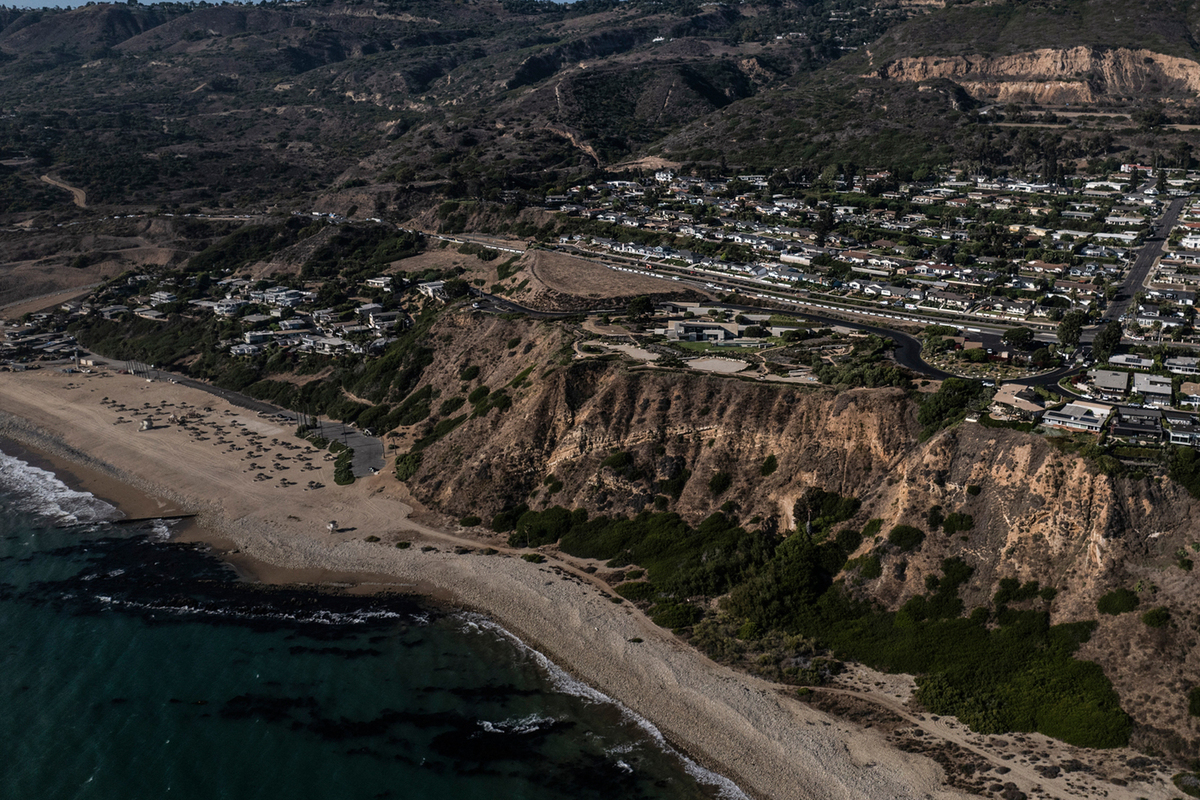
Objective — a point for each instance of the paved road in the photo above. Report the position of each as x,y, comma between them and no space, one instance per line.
1151,250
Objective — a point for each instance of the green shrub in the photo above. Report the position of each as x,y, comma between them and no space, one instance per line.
403,545
534,558
506,520
674,486
553,484
470,521
1116,602
906,537
511,343
519,381
1157,617
935,518
478,394
823,509
407,465
618,461
957,522
973,489
637,590
868,566
1194,702
536,528
450,405
1188,783
469,373
719,483
1011,591
872,528
343,468
675,616
769,465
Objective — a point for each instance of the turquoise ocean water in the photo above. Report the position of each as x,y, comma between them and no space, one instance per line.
135,668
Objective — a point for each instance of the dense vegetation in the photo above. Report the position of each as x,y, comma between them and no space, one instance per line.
997,668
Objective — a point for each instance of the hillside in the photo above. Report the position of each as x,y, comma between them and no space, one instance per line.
284,104
1037,514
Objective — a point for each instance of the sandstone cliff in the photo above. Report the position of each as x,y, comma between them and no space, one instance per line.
1056,76
1039,513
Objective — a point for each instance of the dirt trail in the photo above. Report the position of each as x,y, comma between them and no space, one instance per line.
78,195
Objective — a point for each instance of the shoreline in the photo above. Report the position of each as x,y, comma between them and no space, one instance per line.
272,529
134,503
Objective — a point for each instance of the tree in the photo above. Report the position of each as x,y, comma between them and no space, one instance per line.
1071,328
1107,341
640,306
1020,338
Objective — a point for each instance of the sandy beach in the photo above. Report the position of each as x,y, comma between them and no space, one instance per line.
265,500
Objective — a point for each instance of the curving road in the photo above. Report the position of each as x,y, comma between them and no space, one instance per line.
78,196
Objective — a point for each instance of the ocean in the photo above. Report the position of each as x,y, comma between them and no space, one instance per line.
133,667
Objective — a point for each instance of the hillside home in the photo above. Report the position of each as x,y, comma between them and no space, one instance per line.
1131,361
1079,416
1183,365
1109,384
1137,425
1184,430
1154,389
1189,394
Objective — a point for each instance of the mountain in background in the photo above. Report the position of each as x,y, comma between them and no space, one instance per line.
389,107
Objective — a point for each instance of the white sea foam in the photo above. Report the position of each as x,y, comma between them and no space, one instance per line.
319,617
566,684
160,530
39,491
527,724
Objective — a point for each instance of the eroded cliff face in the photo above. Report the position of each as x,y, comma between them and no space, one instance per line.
1056,76
1039,513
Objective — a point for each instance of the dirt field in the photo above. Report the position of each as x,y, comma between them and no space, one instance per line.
584,278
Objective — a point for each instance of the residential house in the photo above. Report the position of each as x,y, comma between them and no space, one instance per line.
1137,425
1109,384
1078,416
1189,394
229,306
1183,365
1154,389
1131,361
